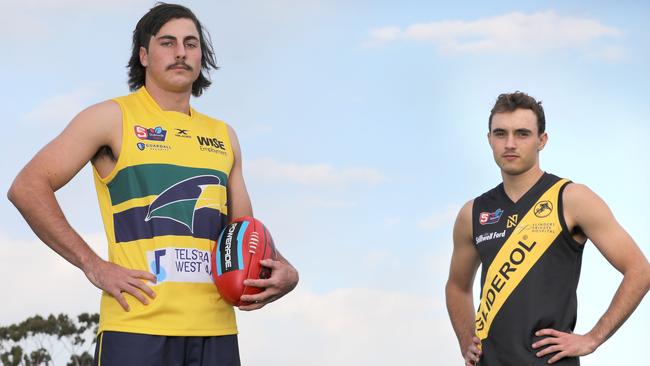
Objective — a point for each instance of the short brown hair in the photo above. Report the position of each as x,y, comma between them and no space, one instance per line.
508,102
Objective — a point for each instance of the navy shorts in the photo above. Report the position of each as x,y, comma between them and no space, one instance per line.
126,349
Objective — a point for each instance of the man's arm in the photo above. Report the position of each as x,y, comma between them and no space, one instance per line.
588,212
284,277
32,192
464,263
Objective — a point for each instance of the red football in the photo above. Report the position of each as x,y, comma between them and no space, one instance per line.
236,257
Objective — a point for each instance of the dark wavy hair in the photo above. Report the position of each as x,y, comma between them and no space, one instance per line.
508,102
149,25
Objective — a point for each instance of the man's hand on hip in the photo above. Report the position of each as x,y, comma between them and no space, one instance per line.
117,280
473,352
563,344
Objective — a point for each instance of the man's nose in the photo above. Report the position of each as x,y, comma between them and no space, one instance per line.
180,52
510,141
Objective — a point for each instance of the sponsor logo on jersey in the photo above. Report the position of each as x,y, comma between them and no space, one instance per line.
542,227
180,265
512,221
153,133
211,144
182,133
543,208
487,218
153,146
514,258
489,236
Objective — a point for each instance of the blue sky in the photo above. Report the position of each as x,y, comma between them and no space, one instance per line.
362,126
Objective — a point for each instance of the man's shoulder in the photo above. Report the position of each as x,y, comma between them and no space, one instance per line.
106,111
577,193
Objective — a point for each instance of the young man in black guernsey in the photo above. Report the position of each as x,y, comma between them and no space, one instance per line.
529,233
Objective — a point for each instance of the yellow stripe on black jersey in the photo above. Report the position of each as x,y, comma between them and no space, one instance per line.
530,271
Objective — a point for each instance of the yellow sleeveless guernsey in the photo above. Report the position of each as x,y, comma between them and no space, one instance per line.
163,207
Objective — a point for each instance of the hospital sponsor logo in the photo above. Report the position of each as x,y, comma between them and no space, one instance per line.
537,228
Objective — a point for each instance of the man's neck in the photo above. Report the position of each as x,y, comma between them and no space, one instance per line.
168,100
517,185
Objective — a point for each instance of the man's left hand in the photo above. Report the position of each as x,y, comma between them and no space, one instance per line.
565,344
284,278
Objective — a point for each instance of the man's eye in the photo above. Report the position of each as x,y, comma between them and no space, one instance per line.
191,45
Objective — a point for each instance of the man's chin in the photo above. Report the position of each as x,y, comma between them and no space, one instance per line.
512,170
179,87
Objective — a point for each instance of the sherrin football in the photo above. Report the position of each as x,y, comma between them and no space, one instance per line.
236,257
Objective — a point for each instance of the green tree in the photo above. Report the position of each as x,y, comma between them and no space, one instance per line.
34,340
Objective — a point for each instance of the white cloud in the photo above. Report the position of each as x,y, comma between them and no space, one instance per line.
320,175
513,33
385,34
39,281
440,218
349,327
60,109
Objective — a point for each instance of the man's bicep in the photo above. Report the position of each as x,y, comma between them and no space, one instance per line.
65,155
592,215
464,259
239,203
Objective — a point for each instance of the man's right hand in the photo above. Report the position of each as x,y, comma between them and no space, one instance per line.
117,280
473,352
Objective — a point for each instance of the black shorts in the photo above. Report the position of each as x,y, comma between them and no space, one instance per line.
125,349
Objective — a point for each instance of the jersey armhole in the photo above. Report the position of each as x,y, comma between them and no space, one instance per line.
231,151
120,158
574,244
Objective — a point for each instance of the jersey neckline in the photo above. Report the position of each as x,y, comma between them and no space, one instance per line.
152,102
533,188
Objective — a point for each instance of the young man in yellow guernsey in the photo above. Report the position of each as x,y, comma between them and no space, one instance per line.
528,235
168,180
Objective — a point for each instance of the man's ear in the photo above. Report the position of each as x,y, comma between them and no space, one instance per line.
143,57
543,140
